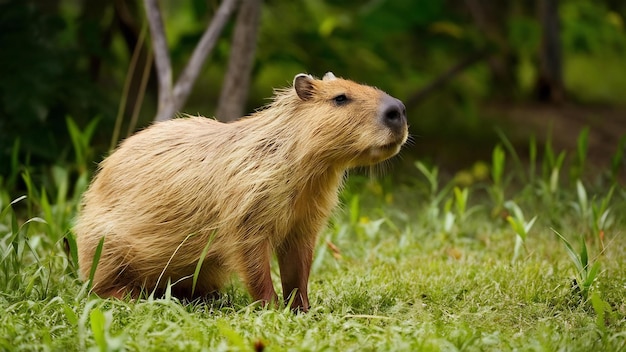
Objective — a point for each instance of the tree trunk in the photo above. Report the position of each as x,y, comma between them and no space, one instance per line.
237,80
549,85
173,97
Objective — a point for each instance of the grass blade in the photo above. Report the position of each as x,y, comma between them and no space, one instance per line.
94,262
583,253
199,265
571,252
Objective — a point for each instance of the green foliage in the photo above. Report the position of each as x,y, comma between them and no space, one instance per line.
81,141
520,226
45,78
380,280
585,273
68,59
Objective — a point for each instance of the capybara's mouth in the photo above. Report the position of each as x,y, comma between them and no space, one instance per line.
390,146
393,145
385,151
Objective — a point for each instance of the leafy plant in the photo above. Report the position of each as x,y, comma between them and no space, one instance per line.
517,162
436,196
520,226
552,165
595,215
18,252
603,313
586,272
81,141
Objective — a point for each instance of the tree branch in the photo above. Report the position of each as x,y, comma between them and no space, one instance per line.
161,53
438,82
205,46
171,99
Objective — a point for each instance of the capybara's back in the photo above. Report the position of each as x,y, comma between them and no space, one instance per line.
238,192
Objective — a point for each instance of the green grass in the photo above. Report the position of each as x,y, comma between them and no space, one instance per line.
425,266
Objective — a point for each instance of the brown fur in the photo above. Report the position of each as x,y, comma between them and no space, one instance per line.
262,185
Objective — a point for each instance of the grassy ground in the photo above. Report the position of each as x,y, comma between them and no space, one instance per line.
474,264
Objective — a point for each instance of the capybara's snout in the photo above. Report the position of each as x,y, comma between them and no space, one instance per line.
393,115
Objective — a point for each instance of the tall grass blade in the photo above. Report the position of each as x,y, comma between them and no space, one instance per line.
600,307
94,262
80,141
497,168
584,260
9,207
170,260
591,274
97,322
516,159
570,251
70,240
205,250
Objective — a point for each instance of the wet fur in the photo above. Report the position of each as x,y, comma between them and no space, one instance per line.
261,185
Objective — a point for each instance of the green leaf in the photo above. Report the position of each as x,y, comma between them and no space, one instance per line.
98,322
554,180
592,274
460,197
583,253
199,265
233,337
95,261
71,243
9,207
513,153
431,176
582,198
572,254
601,308
530,224
497,169
70,315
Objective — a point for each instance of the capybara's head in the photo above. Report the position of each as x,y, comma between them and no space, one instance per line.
357,125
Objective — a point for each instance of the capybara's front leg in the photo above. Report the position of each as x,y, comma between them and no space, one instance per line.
255,271
294,260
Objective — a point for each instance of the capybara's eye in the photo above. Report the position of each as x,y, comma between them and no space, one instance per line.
341,99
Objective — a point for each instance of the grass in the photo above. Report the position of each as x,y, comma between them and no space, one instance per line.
425,266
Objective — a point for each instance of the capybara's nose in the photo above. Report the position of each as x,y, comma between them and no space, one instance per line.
393,114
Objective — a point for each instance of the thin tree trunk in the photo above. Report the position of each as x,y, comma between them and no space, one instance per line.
173,97
237,80
550,81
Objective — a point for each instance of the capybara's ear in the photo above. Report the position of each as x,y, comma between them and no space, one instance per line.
329,76
303,84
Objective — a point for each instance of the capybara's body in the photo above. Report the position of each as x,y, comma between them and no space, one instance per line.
241,191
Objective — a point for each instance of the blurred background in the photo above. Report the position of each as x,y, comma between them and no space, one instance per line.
469,71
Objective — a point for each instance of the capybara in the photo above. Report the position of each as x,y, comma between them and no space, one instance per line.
236,193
